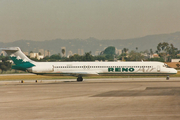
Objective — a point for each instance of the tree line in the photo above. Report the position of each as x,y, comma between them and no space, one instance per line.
4,64
165,51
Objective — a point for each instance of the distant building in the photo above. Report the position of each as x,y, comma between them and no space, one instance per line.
46,53
42,51
80,51
3,53
150,55
10,61
70,53
175,60
118,51
145,54
33,55
97,53
155,55
36,55
40,57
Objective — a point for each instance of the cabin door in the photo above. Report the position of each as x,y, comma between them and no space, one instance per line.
158,68
53,68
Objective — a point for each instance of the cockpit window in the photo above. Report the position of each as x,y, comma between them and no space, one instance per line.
165,65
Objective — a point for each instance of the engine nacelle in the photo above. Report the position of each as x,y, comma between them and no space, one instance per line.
45,69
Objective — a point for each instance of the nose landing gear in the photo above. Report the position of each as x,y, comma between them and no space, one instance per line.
167,78
79,79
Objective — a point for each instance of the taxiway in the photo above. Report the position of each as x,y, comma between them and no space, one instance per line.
97,99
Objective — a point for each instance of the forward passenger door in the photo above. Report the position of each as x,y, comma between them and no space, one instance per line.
158,68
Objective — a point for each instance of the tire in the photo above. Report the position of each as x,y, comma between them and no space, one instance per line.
79,79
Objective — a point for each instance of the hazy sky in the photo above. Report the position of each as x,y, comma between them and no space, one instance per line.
103,19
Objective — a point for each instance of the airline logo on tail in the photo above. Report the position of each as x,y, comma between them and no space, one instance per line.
18,59
21,61
20,64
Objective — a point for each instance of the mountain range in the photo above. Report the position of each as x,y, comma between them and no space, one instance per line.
93,44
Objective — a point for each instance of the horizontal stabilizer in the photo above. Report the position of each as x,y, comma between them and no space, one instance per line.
10,49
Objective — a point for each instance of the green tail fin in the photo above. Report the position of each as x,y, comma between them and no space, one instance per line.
21,61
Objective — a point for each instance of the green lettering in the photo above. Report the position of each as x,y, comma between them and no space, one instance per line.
117,69
131,69
110,69
125,69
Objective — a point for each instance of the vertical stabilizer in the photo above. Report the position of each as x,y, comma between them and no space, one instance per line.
21,61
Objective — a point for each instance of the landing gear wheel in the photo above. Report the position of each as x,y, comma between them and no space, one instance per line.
167,78
79,79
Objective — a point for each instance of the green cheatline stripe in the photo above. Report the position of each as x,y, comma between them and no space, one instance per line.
112,73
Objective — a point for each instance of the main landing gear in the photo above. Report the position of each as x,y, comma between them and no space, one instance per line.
79,79
167,78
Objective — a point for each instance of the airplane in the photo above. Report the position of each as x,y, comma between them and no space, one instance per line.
81,69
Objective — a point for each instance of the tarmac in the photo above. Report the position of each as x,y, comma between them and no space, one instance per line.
92,99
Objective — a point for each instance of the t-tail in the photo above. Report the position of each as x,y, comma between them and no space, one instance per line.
21,61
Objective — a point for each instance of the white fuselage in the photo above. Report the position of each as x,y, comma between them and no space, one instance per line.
102,68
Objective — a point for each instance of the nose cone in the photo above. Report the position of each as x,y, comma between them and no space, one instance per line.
174,71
